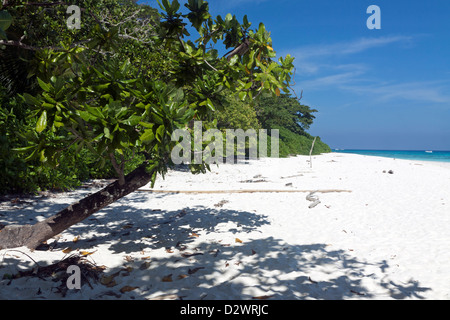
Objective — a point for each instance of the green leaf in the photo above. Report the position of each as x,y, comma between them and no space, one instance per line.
42,122
160,132
24,149
29,99
94,111
5,20
146,125
234,60
107,133
148,136
228,18
210,105
43,158
45,86
132,121
86,116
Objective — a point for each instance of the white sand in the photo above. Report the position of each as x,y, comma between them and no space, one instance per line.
387,239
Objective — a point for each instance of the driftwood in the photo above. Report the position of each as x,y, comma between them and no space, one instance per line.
310,152
315,199
239,191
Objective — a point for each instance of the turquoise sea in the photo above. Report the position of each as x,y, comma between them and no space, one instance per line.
424,155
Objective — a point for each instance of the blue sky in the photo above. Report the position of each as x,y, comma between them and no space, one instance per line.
374,89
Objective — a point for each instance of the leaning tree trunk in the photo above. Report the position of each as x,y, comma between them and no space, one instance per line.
32,236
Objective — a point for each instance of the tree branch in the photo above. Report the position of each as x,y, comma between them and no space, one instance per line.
118,168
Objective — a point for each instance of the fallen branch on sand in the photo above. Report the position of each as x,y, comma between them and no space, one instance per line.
239,191
310,152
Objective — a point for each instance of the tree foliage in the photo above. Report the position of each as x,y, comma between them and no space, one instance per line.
119,86
293,120
285,111
106,97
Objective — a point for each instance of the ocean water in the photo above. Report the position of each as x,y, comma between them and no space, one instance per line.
424,155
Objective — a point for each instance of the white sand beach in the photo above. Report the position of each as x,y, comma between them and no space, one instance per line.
388,238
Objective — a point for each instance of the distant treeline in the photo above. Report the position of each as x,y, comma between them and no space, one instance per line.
284,113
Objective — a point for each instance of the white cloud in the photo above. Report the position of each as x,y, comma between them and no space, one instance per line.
346,48
425,91
331,80
322,68
312,59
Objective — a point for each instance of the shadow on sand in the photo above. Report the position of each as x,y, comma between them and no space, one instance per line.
204,261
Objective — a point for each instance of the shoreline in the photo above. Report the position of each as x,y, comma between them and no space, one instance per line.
361,152
371,243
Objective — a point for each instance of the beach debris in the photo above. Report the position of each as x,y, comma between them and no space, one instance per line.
391,172
67,250
238,240
180,246
167,278
357,293
312,281
58,271
215,252
288,184
314,199
188,255
145,265
253,181
193,235
109,281
127,270
253,252
87,253
294,176
192,271
221,203
128,289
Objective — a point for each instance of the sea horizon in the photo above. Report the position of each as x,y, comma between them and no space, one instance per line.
421,155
